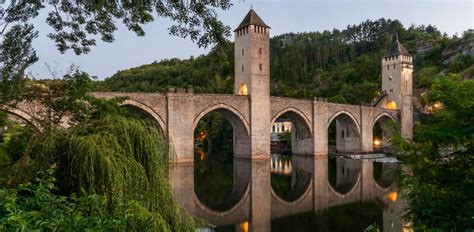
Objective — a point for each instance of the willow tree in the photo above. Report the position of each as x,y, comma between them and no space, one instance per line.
106,150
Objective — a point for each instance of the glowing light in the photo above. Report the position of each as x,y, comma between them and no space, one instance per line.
243,89
435,106
438,105
392,196
244,226
202,154
201,136
392,105
377,142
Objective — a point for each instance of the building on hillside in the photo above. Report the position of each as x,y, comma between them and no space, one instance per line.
279,127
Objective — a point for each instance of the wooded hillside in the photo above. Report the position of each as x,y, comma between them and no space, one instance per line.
342,65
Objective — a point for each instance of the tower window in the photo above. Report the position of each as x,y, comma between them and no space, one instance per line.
242,52
342,133
260,67
388,67
260,51
393,65
391,90
242,68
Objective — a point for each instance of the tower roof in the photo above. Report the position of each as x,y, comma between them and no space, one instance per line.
396,48
251,18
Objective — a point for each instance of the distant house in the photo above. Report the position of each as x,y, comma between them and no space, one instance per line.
280,126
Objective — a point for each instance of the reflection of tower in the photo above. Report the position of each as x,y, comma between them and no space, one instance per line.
252,76
397,69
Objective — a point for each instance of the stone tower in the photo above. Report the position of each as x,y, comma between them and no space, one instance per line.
252,77
397,69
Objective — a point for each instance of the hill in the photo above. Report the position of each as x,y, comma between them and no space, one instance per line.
342,65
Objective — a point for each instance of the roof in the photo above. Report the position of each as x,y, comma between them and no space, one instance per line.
252,18
396,49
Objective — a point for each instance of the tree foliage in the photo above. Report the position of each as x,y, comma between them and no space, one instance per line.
440,183
106,151
77,24
16,54
35,206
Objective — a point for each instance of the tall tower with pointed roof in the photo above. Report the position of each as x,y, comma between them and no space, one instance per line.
397,81
252,76
252,56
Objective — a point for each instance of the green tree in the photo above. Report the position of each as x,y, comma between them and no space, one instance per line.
440,183
75,25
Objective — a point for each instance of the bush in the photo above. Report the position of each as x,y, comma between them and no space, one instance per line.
34,206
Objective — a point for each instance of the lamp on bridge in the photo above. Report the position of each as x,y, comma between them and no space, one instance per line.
243,89
392,105
377,142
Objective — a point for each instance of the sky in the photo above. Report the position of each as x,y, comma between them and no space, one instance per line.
283,16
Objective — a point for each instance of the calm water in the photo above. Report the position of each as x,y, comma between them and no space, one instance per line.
288,193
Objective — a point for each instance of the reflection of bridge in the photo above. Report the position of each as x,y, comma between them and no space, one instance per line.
317,195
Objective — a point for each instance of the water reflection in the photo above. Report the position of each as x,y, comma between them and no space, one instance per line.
215,177
344,174
335,195
281,165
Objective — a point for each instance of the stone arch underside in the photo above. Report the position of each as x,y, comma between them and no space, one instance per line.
28,118
348,131
240,127
301,134
381,138
147,112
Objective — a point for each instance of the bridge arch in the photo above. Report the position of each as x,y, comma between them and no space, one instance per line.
28,118
145,110
380,135
301,134
347,130
239,124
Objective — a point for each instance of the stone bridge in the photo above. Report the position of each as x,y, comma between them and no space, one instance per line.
179,113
